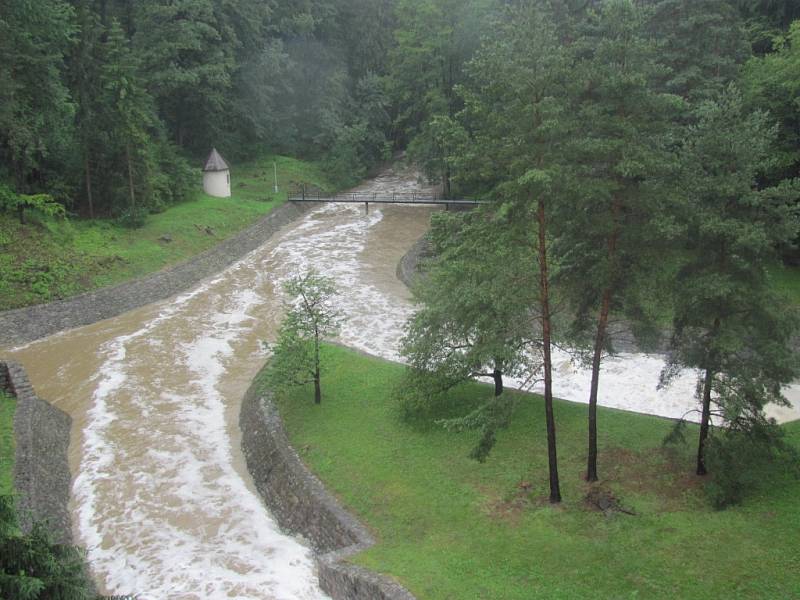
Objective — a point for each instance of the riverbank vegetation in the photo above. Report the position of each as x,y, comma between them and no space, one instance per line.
33,565
635,174
450,527
8,406
48,259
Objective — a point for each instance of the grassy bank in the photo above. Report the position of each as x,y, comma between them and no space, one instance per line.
8,405
51,260
786,280
451,528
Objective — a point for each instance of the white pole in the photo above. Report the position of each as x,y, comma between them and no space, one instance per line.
275,170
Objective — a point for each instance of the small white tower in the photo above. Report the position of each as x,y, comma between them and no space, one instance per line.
216,176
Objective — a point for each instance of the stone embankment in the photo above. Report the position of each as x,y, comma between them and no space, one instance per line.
41,471
409,269
301,505
24,325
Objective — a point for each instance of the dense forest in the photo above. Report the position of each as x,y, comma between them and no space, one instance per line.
649,144
106,103
640,159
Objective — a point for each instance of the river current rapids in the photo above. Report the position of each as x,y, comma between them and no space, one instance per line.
161,497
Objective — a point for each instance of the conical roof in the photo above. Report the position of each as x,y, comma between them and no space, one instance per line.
215,162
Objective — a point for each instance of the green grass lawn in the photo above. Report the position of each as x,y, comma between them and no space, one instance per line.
8,405
786,279
451,528
51,260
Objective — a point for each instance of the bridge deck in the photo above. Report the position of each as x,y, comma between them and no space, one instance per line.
394,198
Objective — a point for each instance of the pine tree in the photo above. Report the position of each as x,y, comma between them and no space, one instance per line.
84,78
727,322
702,43
609,242
772,83
434,39
35,107
517,154
187,50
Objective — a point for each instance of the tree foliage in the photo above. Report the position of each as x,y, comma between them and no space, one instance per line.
33,566
727,322
311,318
772,83
22,203
476,319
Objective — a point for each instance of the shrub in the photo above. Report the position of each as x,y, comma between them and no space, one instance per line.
33,566
742,461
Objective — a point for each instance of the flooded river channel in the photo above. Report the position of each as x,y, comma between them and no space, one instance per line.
161,496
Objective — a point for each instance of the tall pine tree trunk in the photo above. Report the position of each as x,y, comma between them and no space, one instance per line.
544,285
599,344
705,419
704,423
88,185
130,177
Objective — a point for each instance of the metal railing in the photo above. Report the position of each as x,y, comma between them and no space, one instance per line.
303,194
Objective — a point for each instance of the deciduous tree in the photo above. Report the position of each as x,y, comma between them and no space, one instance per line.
310,319
476,315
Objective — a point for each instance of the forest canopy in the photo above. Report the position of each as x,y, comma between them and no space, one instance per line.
105,105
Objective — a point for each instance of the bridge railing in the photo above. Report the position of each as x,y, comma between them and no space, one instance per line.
301,193
311,194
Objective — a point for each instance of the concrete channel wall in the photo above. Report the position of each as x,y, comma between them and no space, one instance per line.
301,505
41,469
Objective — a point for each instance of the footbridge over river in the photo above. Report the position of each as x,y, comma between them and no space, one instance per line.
307,194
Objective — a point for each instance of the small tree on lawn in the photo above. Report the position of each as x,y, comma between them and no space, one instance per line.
310,319
476,319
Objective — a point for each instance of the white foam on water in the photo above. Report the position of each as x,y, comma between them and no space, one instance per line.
333,245
185,525
374,322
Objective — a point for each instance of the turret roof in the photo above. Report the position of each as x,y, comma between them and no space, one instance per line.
215,162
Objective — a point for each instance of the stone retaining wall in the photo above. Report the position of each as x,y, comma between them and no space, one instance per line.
301,505
41,470
24,325
409,267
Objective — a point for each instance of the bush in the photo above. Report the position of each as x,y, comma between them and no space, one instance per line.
33,566
742,461
133,218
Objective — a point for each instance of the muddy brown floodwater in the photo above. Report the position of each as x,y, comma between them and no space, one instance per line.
161,497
